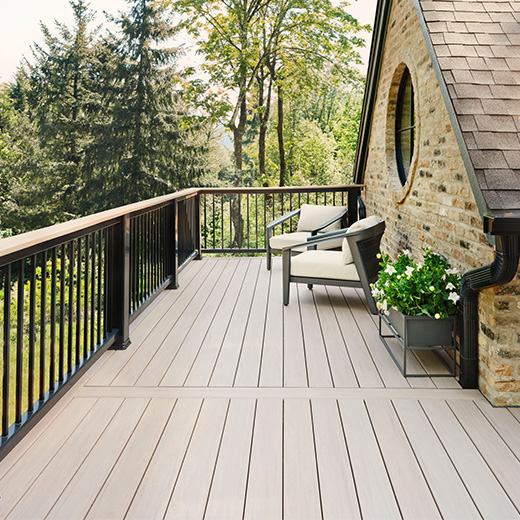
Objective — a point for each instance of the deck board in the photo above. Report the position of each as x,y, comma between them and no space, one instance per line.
229,405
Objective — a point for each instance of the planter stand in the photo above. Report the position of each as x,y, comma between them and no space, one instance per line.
420,333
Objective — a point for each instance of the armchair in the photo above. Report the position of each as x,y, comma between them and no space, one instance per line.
312,220
355,266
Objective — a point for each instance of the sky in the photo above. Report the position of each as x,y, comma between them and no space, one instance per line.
20,19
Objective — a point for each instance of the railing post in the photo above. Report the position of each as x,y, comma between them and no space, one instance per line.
198,228
352,205
120,271
172,241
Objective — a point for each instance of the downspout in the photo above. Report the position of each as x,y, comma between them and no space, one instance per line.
501,271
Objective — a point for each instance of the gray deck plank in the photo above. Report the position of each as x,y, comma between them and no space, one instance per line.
80,493
483,486
206,357
52,480
271,369
152,497
228,489
341,367
151,323
492,448
294,362
264,486
411,489
189,497
172,361
318,367
366,371
376,497
118,490
385,364
248,370
449,492
228,358
337,486
300,483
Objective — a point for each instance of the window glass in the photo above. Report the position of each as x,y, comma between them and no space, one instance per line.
405,126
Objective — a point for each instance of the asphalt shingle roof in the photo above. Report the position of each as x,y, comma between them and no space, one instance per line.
477,44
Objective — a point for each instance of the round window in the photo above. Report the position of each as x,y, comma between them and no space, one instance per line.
404,126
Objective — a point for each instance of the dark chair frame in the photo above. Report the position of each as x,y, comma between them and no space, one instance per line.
364,245
280,220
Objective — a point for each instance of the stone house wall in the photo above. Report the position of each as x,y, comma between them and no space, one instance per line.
436,207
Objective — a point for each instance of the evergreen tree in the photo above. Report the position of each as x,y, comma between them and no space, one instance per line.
144,145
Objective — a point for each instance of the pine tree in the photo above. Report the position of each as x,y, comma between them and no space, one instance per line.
145,145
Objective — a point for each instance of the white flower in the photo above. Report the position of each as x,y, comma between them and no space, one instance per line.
437,316
409,270
382,306
408,253
387,283
454,297
390,269
420,265
450,287
432,288
378,255
452,271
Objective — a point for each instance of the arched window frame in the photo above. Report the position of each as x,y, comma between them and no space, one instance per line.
402,169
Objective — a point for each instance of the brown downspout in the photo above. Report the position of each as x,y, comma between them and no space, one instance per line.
501,271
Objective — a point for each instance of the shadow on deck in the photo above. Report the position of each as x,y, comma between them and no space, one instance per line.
228,405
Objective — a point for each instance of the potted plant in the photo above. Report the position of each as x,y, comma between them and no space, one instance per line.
418,299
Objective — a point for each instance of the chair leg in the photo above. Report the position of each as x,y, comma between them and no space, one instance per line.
268,258
286,275
309,285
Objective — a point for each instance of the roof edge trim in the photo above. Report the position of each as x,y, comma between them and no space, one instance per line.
369,99
479,197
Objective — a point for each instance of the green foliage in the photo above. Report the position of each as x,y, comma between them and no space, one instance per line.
428,288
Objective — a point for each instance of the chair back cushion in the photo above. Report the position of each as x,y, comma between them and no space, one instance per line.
312,217
364,223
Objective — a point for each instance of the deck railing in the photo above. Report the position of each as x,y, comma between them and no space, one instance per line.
70,291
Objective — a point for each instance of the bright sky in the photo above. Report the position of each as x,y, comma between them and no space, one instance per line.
19,25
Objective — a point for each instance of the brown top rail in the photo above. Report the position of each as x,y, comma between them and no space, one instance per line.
284,189
26,244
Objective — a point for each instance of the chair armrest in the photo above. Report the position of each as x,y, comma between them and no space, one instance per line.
283,218
326,237
329,222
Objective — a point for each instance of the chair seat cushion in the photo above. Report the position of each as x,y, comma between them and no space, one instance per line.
323,264
312,217
289,239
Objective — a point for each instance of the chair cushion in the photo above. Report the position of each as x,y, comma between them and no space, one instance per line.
312,216
364,223
323,264
289,239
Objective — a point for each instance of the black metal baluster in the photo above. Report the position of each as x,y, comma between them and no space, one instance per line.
141,260
86,292
32,332
132,265
149,217
281,212
61,353
265,219
52,343
107,327
214,218
256,220
333,198
222,220
247,206
93,293
78,302
43,300
7,350
290,209
99,279
71,307
19,342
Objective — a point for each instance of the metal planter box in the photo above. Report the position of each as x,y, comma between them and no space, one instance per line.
419,333
422,331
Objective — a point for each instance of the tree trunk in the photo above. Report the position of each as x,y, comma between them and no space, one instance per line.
281,145
264,120
235,206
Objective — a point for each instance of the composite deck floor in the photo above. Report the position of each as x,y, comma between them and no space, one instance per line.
228,405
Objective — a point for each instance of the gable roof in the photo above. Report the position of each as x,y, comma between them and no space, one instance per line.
475,50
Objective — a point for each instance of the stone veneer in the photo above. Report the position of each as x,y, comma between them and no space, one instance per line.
436,208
